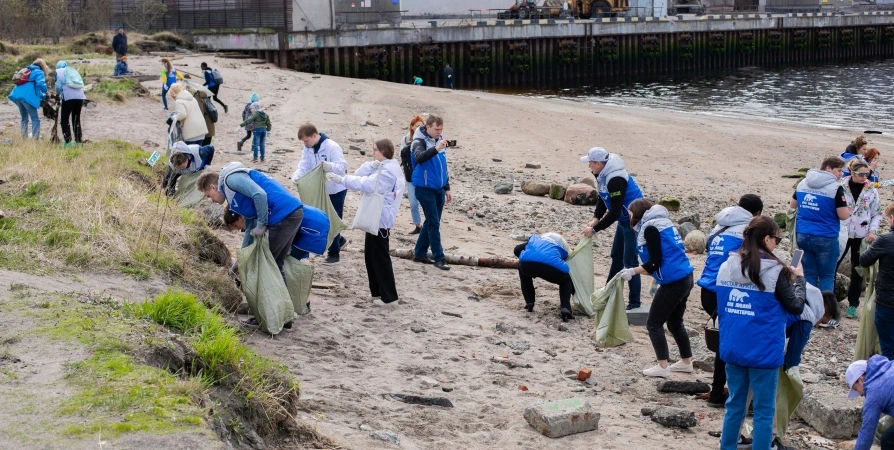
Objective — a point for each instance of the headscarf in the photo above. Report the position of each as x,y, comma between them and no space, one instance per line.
61,65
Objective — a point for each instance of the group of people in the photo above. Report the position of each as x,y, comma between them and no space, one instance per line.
31,92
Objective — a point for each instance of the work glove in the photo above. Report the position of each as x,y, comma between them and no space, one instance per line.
335,178
627,274
327,166
259,231
375,165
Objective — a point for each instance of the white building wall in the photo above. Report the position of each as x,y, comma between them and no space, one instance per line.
311,15
421,7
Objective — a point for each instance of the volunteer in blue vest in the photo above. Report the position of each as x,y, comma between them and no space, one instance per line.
661,250
617,189
724,239
185,159
72,94
821,206
544,257
429,161
755,293
320,150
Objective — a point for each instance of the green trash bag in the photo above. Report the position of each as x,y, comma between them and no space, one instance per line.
883,424
867,337
580,261
791,218
312,191
299,277
263,286
612,328
789,392
187,194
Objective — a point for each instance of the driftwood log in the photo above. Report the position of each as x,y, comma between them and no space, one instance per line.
493,262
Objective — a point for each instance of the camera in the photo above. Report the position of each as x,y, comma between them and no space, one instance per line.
451,143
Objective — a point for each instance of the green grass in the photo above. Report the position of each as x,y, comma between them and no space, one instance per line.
117,90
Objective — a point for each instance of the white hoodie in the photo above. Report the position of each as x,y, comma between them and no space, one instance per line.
388,176
329,151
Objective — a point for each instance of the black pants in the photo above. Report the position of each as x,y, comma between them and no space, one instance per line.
527,271
376,255
668,306
887,439
248,135
709,303
207,140
856,287
214,91
71,109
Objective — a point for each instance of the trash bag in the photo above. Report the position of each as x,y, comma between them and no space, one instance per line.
187,194
612,328
867,337
883,424
264,287
299,277
312,191
789,392
580,261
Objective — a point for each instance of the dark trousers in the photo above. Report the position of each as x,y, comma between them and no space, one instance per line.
71,110
709,303
527,271
283,234
432,203
884,324
376,255
248,135
623,256
214,91
856,286
668,306
207,140
338,202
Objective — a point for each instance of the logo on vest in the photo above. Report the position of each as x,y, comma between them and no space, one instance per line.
716,246
737,303
810,202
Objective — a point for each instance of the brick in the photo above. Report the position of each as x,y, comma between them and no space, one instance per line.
583,374
637,317
562,417
833,415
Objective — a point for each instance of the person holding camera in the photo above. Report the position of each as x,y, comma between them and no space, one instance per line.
432,184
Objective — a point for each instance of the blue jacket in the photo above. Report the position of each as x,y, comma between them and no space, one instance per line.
33,91
817,215
847,160
430,173
614,167
745,312
121,68
674,263
209,78
731,222
280,202
878,388
544,251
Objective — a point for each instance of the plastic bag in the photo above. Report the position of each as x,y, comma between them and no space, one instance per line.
612,328
369,212
867,337
312,191
264,287
187,194
580,261
789,392
299,277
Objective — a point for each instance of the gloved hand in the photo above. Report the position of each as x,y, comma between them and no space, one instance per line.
327,166
334,177
375,165
627,274
259,231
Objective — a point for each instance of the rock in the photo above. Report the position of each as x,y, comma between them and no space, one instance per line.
694,219
695,241
149,144
811,378
447,388
584,374
556,192
353,147
671,203
706,364
842,283
674,417
532,165
683,387
647,411
520,346
418,400
496,160
551,353
387,436
521,237
581,194
429,382
685,228
590,181
452,314
503,187
562,327
637,317
833,415
536,189
371,124
418,329
360,141
780,219
211,212
562,418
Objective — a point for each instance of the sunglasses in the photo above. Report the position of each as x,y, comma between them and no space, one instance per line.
862,174
777,239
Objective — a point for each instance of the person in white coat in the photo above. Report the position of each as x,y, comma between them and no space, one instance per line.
382,175
319,149
189,114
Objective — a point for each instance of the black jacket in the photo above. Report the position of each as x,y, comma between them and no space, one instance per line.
882,250
119,44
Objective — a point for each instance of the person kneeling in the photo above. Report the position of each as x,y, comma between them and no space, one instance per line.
544,257
185,159
873,379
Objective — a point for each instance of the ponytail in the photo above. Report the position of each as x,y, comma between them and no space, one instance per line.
753,247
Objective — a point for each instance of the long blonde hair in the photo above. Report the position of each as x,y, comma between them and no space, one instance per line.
39,62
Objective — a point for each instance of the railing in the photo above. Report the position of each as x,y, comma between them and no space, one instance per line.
550,12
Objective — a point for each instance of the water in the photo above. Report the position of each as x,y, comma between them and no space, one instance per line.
851,97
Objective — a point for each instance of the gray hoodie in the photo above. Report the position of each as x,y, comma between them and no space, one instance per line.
818,179
614,167
734,219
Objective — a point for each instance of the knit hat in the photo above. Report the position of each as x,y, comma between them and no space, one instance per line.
61,65
255,105
254,98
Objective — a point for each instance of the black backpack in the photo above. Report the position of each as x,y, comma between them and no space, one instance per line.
406,163
210,109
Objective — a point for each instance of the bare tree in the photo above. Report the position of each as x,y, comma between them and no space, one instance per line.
16,19
143,13
55,19
96,14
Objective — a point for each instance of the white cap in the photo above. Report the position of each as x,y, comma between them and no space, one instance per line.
596,154
854,372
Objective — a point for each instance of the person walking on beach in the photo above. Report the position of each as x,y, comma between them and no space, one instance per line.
544,257
320,150
661,250
406,164
70,88
882,251
432,184
260,124
448,77
189,114
617,189
821,204
382,175
254,98
213,84
863,222
29,91
119,43
169,76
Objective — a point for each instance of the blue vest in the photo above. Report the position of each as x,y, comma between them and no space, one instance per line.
674,262
314,231
719,250
817,215
752,321
431,174
633,193
873,177
280,202
543,251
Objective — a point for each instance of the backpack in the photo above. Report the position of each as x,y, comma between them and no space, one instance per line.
405,163
22,76
73,78
218,78
210,109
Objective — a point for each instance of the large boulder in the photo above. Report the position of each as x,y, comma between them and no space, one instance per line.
587,180
695,241
503,187
671,203
842,284
534,188
557,192
581,194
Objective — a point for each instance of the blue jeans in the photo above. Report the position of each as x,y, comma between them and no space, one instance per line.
884,324
414,204
164,95
338,202
820,258
27,111
762,383
259,142
432,202
624,256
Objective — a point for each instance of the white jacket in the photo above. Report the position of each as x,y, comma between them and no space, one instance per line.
389,177
331,152
866,212
190,115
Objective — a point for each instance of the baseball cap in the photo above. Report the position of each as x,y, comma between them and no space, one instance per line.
596,154
854,372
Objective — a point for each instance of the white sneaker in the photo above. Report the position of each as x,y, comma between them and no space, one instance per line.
657,371
379,302
372,299
680,366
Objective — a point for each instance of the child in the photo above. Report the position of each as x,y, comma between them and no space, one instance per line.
245,113
417,81
186,159
121,68
261,123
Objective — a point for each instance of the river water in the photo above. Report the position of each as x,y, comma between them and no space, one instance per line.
850,97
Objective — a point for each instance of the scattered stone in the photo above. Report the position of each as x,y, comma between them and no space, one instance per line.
811,378
521,237
503,187
534,188
417,329
446,388
387,436
590,181
451,314
532,165
418,400
581,194
780,219
556,192
149,144
551,353
365,427
696,242
674,417
429,382
685,228
353,147
359,141
520,346
833,416
647,411
637,317
511,364
562,327
496,160
562,418
694,219
371,124
671,203
683,387
706,364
